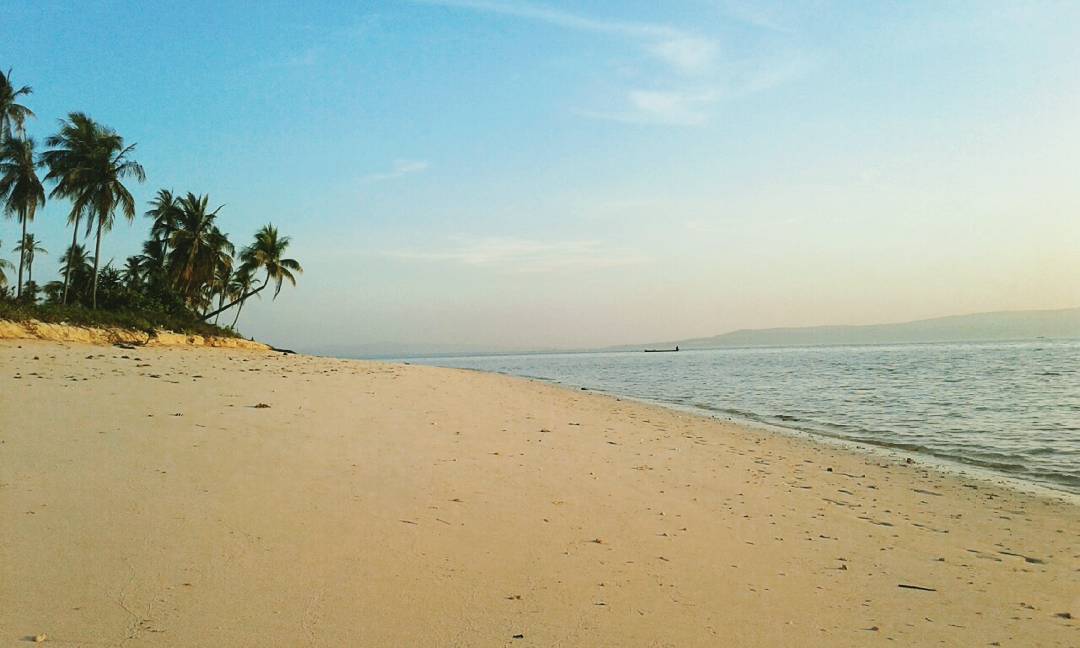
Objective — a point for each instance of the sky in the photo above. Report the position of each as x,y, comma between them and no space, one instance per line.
508,174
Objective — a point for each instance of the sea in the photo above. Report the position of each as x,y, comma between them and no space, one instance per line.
1008,408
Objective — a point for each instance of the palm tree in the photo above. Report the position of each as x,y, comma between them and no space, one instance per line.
88,165
240,283
30,292
198,248
11,112
67,167
266,253
80,269
20,188
165,212
134,272
220,286
221,266
54,292
27,249
154,266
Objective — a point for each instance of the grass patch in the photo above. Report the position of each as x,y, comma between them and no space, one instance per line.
147,322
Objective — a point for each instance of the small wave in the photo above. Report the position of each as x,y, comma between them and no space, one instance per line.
896,445
1054,477
1042,451
983,463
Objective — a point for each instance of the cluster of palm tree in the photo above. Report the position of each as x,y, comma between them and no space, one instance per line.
188,263
189,258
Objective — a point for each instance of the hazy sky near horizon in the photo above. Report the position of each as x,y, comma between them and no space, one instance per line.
507,173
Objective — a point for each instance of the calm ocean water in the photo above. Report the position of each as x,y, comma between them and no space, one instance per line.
1013,408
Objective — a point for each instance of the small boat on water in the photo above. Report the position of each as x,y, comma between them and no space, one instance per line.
662,350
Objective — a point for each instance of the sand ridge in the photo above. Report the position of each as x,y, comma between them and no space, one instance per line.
107,336
148,499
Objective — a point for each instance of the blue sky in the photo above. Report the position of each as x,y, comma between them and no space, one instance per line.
504,173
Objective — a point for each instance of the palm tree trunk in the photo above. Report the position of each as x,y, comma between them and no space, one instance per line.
238,300
237,318
22,254
71,251
97,255
220,301
189,272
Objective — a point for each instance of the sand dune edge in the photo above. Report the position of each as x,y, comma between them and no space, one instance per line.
105,336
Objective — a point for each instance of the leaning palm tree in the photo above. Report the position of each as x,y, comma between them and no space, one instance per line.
12,114
27,249
89,165
20,189
266,254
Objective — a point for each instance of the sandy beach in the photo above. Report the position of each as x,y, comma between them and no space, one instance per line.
198,497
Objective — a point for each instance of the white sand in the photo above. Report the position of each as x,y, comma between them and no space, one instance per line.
145,501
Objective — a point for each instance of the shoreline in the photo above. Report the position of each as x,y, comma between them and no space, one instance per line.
947,463
952,468
193,496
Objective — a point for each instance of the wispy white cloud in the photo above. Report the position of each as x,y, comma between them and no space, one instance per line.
683,51
677,108
686,54
556,17
399,169
523,255
695,78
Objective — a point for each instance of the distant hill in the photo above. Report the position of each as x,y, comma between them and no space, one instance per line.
1004,325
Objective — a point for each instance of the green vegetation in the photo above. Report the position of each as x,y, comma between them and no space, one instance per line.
147,321
188,271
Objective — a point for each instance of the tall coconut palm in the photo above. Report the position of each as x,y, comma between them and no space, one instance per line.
28,248
20,189
267,254
12,114
198,248
68,165
89,165
165,212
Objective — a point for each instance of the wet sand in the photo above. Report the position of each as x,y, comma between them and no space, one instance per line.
194,496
